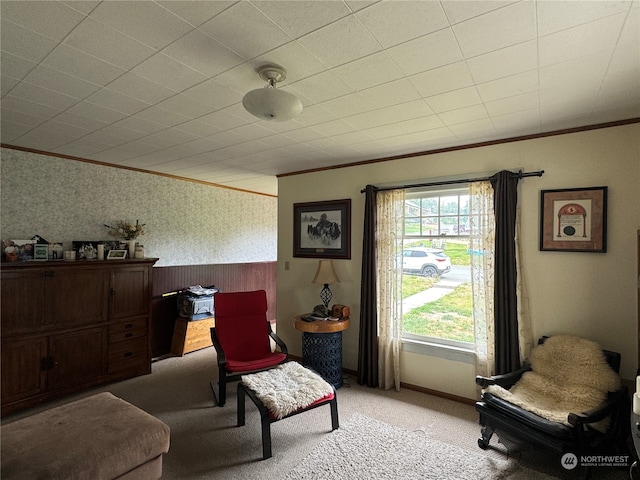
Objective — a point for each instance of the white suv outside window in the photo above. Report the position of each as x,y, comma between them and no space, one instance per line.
428,262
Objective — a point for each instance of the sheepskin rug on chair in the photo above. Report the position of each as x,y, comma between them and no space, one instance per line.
569,375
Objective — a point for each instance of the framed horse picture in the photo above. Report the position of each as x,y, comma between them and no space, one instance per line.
322,229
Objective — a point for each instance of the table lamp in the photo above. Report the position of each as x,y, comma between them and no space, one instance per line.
325,274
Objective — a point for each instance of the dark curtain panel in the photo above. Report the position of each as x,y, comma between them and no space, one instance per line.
507,348
368,340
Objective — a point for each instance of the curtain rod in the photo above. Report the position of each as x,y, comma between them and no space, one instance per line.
520,174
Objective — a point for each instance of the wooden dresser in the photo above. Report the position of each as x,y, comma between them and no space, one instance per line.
70,325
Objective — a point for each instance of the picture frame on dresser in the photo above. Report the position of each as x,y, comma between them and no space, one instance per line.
17,250
41,252
117,255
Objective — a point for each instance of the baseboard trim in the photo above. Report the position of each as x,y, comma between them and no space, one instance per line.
409,386
437,393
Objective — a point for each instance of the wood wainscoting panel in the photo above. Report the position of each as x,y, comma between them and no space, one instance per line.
228,277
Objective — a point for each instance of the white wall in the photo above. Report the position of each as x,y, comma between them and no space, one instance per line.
587,294
187,223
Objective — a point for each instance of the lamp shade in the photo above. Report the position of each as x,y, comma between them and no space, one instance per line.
325,274
272,104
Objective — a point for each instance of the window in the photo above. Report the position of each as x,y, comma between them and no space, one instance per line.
436,280
437,214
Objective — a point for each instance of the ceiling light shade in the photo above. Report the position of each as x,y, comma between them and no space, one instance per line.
269,103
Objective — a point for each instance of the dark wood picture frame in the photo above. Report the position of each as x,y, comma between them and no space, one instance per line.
322,229
574,220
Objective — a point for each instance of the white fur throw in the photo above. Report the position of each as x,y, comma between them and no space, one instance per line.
287,388
569,375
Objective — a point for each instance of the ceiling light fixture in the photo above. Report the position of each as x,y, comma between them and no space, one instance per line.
269,103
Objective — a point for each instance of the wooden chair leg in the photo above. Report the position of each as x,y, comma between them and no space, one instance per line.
334,413
220,388
241,405
266,436
486,434
222,382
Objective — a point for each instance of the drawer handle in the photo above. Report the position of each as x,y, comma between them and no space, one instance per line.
127,335
128,325
128,354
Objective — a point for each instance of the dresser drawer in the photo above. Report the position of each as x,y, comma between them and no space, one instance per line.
129,355
128,330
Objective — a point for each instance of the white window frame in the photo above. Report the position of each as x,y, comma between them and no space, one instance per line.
434,346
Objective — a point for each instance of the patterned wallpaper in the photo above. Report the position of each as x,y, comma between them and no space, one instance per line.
186,223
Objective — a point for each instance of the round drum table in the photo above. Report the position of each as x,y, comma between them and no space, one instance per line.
322,346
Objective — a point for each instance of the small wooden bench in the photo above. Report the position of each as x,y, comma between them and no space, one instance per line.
296,385
191,335
100,437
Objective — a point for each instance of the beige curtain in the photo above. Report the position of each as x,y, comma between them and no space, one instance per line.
482,242
525,332
389,239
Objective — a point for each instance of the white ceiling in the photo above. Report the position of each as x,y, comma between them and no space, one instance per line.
157,85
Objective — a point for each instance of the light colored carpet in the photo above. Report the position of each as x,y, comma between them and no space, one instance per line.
366,448
206,444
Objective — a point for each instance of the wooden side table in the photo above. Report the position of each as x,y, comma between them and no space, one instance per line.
322,346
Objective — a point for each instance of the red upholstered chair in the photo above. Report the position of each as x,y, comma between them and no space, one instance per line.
242,338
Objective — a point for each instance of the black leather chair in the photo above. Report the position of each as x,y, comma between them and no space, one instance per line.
500,416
